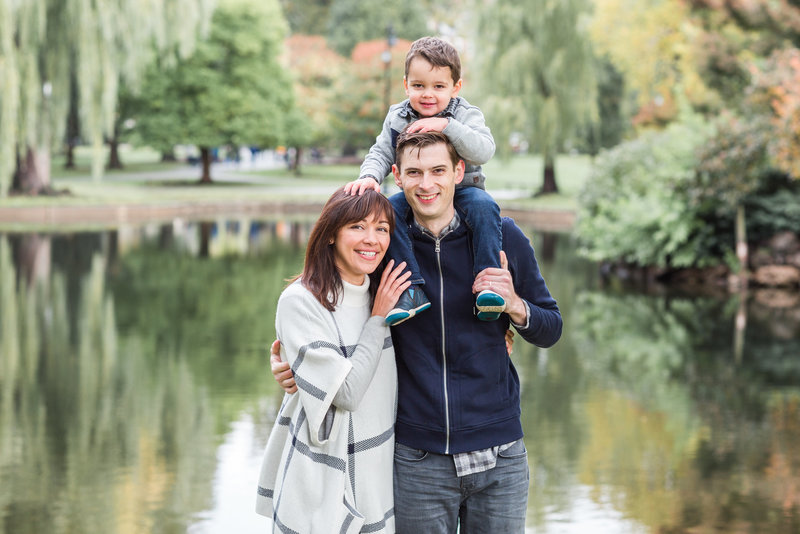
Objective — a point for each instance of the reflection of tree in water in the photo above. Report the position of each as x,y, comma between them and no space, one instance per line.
93,436
219,312
707,435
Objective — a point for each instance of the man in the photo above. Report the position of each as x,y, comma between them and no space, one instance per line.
460,461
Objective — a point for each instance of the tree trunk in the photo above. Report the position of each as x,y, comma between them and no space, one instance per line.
168,156
205,157
166,236
111,250
205,239
549,183
742,252
33,173
34,258
740,325
298,151
70,162
73,133
113,154
548,248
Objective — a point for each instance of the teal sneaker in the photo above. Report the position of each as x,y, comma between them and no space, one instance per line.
489,305
410,303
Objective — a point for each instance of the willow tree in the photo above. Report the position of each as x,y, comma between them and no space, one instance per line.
536,74
43,43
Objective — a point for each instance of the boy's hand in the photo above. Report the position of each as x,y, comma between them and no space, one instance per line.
431,124
280,369
357,187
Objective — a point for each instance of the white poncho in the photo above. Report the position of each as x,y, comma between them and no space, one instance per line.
326,469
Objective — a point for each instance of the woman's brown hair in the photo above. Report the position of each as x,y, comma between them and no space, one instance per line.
320,274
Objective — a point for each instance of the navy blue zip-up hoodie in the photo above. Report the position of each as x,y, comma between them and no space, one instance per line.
457,388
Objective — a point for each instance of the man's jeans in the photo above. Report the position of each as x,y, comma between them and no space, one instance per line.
430,498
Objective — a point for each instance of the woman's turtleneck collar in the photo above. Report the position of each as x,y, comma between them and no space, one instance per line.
353,295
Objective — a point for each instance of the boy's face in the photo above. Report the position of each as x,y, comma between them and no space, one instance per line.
429,88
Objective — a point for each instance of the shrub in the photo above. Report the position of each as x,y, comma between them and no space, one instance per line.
634,207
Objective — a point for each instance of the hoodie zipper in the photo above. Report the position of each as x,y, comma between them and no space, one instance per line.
437,250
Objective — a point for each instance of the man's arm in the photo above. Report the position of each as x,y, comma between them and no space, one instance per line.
531,308
282,372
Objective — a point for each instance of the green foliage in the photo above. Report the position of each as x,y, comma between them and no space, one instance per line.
634,207
232,90
45,44
613,117
219,310
354,21
315,68
536,71
360,97
775,92
774,208
731,162
81,402
308,17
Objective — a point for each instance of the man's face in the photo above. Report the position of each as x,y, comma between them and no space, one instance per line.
428,180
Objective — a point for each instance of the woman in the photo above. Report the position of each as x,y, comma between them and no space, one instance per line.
328,462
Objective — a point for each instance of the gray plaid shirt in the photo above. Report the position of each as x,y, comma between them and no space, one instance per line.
469,463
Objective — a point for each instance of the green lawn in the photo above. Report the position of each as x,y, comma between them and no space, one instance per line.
525,173
134,159
133,184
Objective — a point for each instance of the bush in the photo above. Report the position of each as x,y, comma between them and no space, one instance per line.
634,207
772,210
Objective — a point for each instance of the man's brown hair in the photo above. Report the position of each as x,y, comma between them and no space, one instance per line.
438,53
420,140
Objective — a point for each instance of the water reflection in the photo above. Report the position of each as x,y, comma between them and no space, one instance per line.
134,395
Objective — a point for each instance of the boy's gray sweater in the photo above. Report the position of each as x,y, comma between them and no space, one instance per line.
466,130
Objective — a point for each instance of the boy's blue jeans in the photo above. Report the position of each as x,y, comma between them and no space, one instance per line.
477,209
430,499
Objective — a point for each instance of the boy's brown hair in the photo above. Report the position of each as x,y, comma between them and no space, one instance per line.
438,53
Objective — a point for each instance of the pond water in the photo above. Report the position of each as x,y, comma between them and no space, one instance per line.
135,394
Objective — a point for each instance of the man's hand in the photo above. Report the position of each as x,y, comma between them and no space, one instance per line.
431,124
357,187
280,369
500,281
509,341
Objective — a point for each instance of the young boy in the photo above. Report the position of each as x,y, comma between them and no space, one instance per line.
432,81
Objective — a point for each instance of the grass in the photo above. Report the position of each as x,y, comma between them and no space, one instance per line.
525,175
147,180
135,160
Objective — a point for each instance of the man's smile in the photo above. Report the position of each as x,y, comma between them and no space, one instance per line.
428,197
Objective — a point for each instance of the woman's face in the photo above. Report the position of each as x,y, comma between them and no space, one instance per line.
360,247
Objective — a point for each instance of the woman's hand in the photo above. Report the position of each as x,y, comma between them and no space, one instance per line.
280,369
393,282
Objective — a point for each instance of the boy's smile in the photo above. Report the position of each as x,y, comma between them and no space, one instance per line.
429,88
